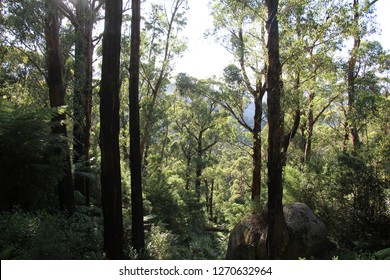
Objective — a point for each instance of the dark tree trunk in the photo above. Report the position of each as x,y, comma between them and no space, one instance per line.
199,165
277,230
188,166
256,156
210,200
82,94
57,99
309,129
109,132
138,235
258,94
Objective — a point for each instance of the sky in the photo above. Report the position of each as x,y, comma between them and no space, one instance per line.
205,58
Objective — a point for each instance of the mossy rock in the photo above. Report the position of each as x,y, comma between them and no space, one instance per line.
308,236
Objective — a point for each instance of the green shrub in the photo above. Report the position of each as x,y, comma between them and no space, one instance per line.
348,193
161,244
205,246
43,235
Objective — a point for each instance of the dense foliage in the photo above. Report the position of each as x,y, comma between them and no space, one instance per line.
30,169
203,142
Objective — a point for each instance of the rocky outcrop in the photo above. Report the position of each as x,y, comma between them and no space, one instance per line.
308,236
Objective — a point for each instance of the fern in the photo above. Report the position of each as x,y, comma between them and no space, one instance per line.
29,167
43,235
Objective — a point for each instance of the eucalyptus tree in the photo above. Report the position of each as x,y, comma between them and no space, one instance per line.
267,72
368,84
241,25
375,66
26,29
33,28
56,87
109,133
266,69
313,32
161,44
83,15
23,28
137,228
360,27
277,236
199,122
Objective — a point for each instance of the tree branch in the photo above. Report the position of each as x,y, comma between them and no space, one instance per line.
209,146
289,136
326,107
241,52
67,12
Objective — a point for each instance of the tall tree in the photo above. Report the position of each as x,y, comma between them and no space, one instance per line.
82,102
83,17
359,10
163,44
352,76
312,31
199,121
277,229
57,98
245,39
109,133
137,228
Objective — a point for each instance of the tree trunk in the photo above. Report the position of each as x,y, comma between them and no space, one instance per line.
137,228
57,99
277,230
156,87
109,132
188,168
257,93
309,129
355,141
199,165
256,157
211,201
82,94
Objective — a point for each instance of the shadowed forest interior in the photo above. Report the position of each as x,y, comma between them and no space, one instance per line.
106,152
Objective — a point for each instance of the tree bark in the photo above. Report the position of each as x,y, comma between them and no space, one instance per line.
82,102
258,94
256,156
188,167
199,164
210,198
109,132
55,84
355,141
277,230
138,235
309,129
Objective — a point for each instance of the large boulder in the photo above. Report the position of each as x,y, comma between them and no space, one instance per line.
307,236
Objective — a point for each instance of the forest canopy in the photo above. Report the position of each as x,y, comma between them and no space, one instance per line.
106,152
